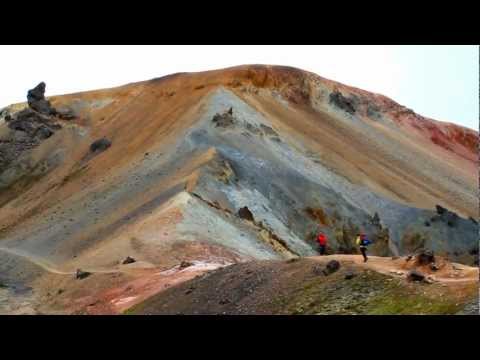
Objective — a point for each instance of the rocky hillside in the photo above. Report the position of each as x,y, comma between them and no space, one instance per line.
332,285
228,166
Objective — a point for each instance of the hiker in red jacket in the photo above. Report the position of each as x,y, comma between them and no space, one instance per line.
322,242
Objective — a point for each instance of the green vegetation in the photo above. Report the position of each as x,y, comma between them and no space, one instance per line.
368,293
401,303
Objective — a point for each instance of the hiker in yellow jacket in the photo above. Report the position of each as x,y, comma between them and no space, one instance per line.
363,242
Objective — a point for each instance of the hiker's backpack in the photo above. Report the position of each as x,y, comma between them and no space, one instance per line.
365,242
359,240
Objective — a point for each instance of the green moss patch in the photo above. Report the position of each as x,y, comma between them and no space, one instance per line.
368,293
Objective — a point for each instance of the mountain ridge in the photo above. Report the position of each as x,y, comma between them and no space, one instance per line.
229,166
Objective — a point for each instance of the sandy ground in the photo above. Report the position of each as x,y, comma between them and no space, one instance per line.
447,273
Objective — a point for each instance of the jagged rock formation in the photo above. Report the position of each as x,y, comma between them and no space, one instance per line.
36,100
27,129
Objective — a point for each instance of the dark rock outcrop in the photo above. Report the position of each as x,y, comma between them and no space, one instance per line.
342,102
30,126
29,121
245,213
100,145
440,210
267,130
28,129
128,260
224,120
80,274
425,257
36,100
445,216
65,113
376,220
332,266
184,264
415,275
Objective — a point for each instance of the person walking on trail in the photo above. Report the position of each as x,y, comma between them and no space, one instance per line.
322,243
363,242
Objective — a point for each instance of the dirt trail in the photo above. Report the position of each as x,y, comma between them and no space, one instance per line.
448,272
385,265
51,268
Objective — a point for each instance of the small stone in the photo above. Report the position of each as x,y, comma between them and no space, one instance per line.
79,274
415,275
440,209
245,213
184,264
349,275
128,260
332,266
100,145
317,270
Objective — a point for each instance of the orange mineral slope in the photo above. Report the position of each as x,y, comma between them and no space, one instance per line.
364,138
398,153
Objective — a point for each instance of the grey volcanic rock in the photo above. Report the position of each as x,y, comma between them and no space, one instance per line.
128,260
425,257
28,129
440,210
184,264
332,266
245,213
415,275
80,274
28,121
36,100
100,145
224,120
342,102
65,113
